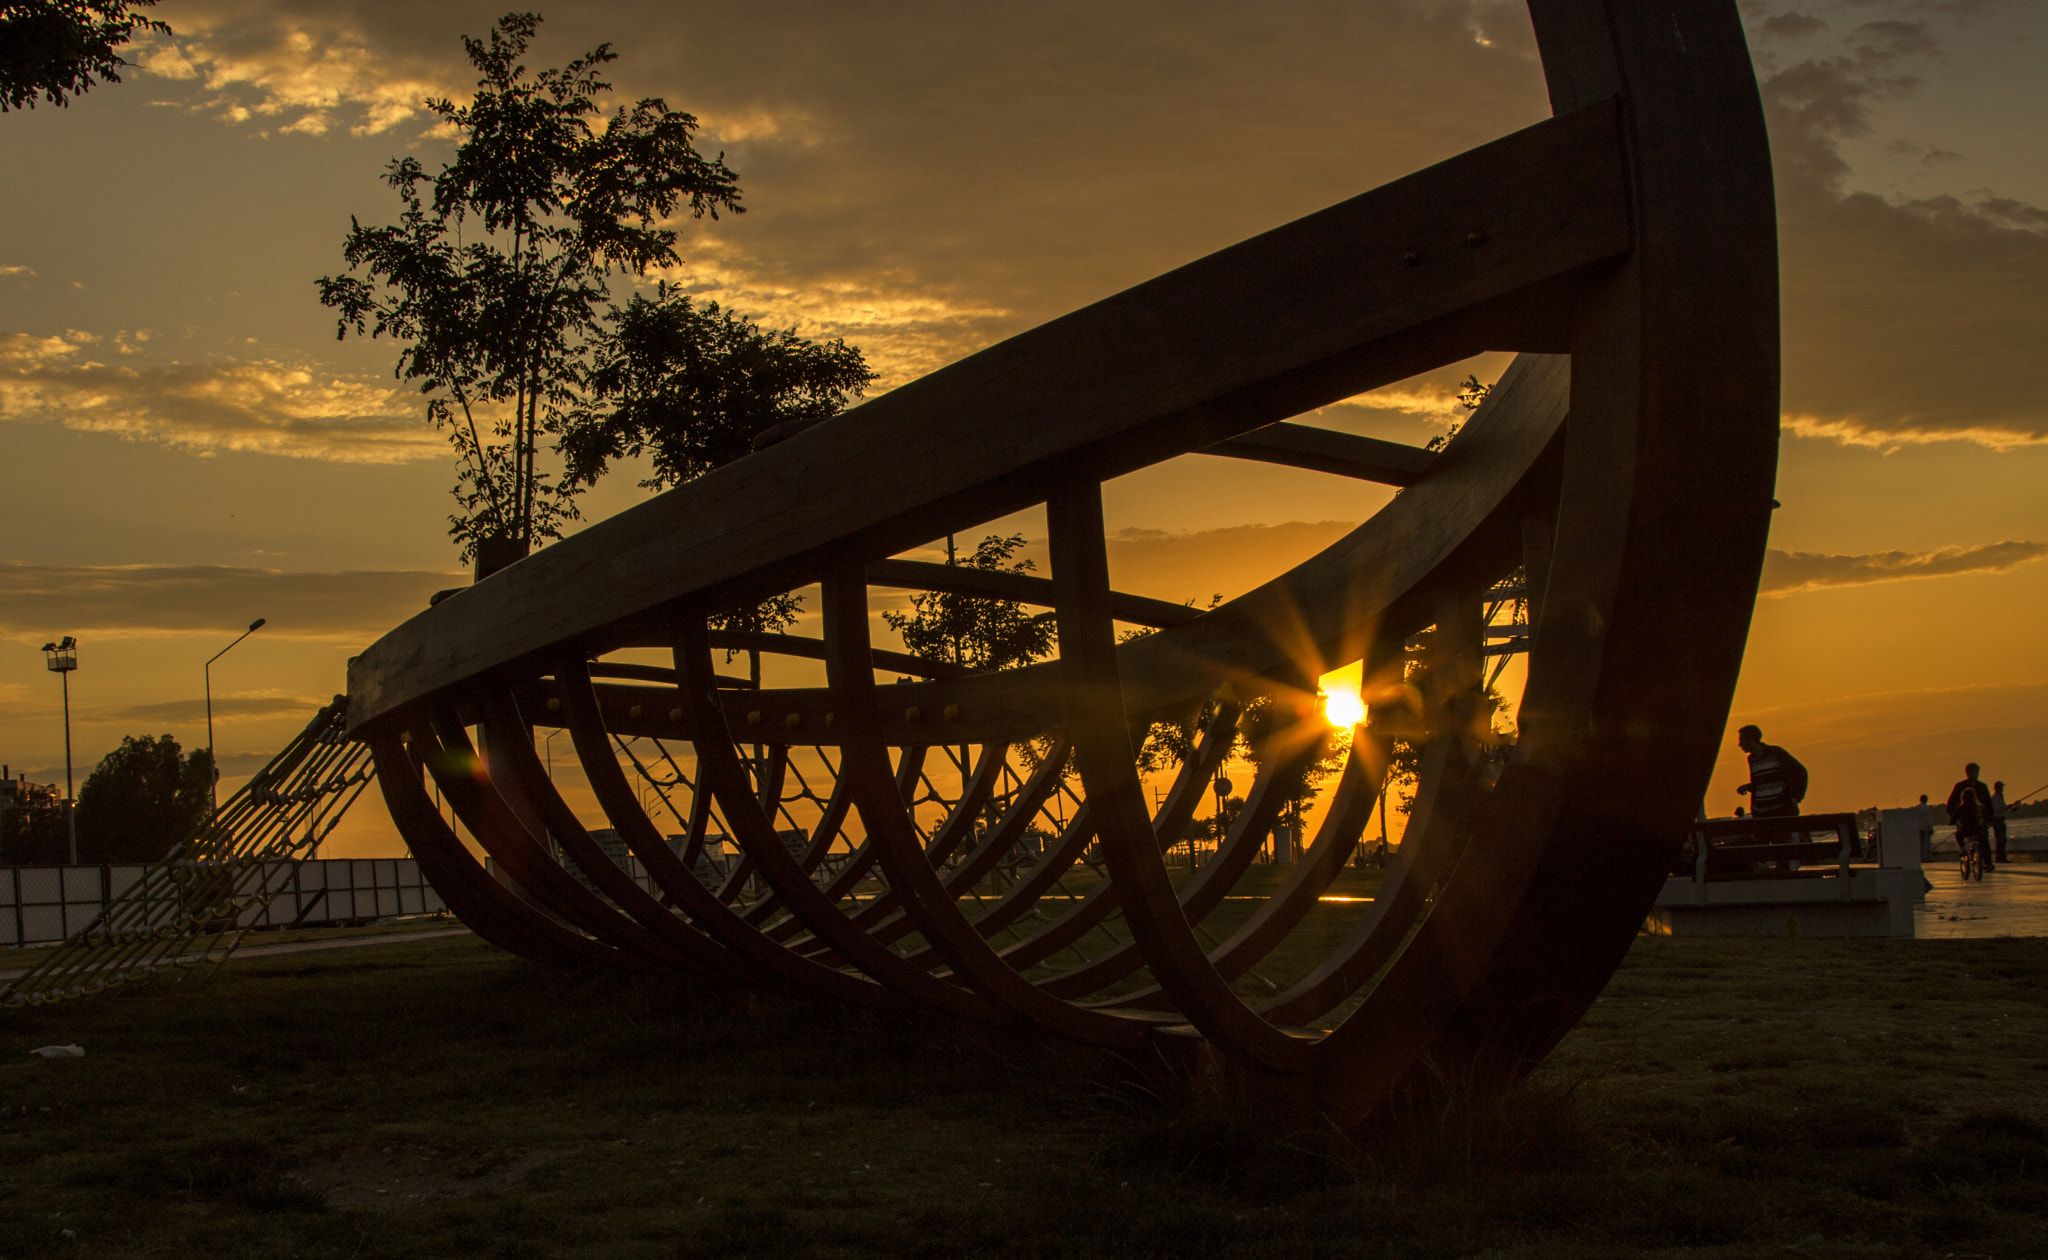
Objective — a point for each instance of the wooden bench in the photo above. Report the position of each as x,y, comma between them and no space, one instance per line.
1730,848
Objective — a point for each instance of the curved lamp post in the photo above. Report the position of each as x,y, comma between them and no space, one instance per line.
212,764
62,658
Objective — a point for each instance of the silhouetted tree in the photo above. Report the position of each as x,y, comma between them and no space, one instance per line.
1471,392
976,631
1487,727
495,271
692,386
144,797
57,49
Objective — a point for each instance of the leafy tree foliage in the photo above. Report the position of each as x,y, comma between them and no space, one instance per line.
1490,726
57,49
1471,392
1487,726
496,269
976,631
145,797
692,387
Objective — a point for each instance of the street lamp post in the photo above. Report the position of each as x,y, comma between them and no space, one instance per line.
212,763
62,658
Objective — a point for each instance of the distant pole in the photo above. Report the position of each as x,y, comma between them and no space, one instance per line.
70,801
212,762
62,657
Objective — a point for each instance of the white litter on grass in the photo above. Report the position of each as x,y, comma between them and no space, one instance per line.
60,1052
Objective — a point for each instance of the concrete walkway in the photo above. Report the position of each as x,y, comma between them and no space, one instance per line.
300,947
2011,901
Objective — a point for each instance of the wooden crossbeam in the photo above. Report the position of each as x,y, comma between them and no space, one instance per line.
1326,450
1138,610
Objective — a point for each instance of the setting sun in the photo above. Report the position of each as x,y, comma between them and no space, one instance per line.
1343,703
1344,708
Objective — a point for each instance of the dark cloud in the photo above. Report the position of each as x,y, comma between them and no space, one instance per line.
1193,566
1790,572
926,177
42,600
1905,320
1790,26
1877,42
234,765
1189,566
225,709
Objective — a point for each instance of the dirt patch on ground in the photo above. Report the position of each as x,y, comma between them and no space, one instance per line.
389,1178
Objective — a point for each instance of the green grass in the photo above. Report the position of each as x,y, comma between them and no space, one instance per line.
34,955
1725,1098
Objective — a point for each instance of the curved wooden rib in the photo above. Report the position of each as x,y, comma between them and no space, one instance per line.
491,909
677,882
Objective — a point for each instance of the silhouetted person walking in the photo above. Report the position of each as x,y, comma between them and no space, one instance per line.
1998,821
1777,782
1969,808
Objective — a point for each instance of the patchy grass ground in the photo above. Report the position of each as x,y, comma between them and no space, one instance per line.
1726,1098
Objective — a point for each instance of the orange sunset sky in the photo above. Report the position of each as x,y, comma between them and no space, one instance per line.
187,446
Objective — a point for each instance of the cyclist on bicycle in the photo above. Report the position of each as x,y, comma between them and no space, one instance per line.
1969,808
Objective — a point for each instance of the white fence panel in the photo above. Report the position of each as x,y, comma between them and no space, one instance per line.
42,923
42,884
44,904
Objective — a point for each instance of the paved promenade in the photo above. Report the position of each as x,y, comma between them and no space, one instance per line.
2011,901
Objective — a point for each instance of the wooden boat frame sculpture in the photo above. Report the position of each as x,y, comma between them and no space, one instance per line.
1624,463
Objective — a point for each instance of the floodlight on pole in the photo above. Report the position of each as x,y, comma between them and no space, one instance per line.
62,658
212,763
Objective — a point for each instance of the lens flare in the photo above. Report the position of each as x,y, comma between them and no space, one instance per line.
1344,708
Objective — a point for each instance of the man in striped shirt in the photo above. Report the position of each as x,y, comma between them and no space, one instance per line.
1777,782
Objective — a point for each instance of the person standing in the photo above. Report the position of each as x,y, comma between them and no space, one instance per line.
1998,822
1924,814
1777,782
1969,808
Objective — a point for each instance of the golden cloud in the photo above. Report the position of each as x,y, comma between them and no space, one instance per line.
310,74
904,331
221,404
